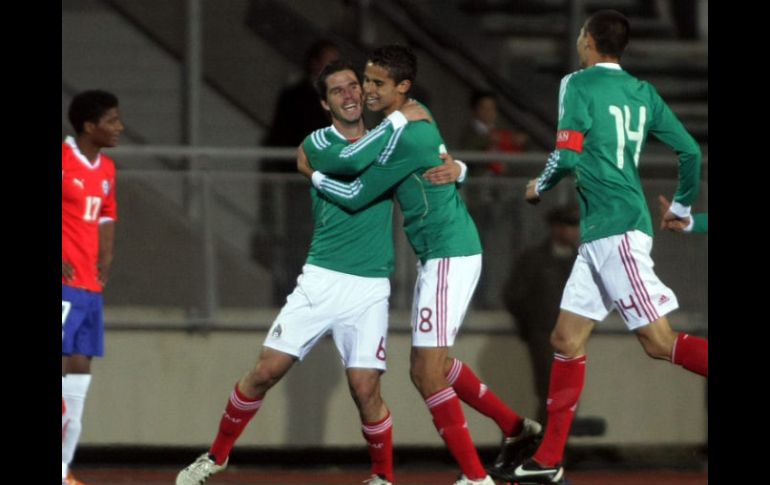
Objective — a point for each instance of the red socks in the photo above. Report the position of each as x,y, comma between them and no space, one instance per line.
379,440
477,395
692,353
239,411
567,379
450,422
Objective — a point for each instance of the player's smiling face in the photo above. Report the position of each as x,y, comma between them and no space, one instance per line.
107,131
343,96
380,90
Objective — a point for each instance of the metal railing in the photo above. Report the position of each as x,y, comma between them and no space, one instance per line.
229,260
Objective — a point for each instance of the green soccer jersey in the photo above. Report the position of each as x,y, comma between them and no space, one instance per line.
436,221
605,115
358,243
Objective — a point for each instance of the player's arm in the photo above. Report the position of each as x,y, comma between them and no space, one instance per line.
106,243
67,271
671,221
371,184
667,128
574,121
561,162
338,159
697,223
107,218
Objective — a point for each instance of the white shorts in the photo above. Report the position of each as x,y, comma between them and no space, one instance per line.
353,308
442,294
616,272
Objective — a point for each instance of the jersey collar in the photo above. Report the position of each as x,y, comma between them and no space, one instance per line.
609,65
71,142
340,135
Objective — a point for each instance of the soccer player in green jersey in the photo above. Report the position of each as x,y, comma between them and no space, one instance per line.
343,290
396,156
605,115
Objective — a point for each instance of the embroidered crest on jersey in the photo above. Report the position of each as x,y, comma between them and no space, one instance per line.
106,187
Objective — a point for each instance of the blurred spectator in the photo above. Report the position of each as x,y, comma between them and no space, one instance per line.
532,293
298,111
276,245
483,133
486,198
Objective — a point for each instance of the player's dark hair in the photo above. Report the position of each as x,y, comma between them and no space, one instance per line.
332,68
610,30
90,106
400,62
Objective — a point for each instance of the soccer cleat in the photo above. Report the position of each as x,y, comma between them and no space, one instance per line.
531,472
71,480
516,448
467,481
377,480
199,471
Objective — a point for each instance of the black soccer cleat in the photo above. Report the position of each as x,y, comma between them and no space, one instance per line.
516,449
531,472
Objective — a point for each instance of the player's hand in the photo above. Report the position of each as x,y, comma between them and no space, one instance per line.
303,164
446,173
668,220
677,225
531,195
415,112
67,271
102,274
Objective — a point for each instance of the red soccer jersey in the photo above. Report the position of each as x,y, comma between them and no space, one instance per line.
87,199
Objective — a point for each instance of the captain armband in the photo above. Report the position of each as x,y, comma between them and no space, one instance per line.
570,140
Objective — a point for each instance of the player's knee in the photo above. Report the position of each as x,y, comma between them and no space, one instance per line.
415,375
364,391
419,374
263,377
566,344
657,340
427,375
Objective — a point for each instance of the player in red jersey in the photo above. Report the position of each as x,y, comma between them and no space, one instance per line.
87,232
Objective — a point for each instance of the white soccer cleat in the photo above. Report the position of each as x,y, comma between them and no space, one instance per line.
199,471
467,481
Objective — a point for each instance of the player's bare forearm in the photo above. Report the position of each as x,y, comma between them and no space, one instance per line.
106,243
